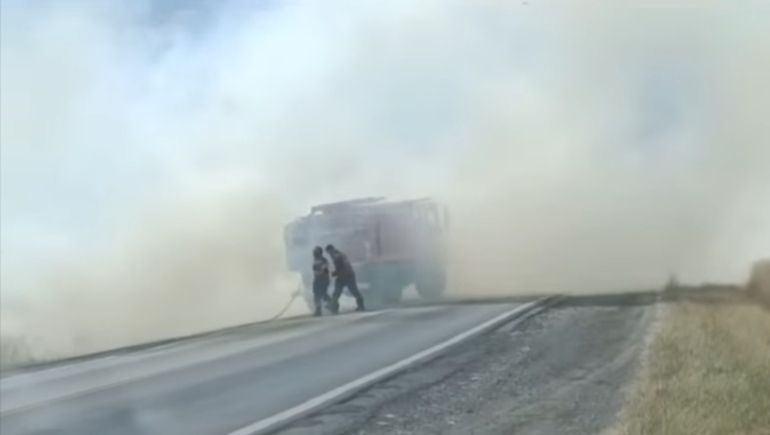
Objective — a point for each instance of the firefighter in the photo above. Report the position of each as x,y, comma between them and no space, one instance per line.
320,279
344,276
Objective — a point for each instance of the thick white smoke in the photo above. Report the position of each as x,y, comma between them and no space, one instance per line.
630,146
151,152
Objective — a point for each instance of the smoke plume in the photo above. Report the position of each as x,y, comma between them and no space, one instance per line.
152,151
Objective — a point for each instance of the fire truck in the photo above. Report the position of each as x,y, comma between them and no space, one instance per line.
391,245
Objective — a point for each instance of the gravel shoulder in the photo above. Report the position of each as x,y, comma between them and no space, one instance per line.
562,371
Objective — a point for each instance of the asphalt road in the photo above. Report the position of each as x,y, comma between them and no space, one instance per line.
565,370
223,382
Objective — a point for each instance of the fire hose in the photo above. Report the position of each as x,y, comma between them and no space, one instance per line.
293,297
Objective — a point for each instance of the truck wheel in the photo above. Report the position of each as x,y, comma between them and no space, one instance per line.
382,296
392,295
431,285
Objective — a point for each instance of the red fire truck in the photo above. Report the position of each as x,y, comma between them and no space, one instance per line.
391,244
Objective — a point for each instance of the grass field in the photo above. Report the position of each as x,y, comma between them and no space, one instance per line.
707,371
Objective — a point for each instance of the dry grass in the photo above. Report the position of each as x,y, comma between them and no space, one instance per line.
707,372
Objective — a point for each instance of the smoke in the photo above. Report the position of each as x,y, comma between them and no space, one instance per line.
151,151
631,147
634,148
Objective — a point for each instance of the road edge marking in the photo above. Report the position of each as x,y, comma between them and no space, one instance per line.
290,415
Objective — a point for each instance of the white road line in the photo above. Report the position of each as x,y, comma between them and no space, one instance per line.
339,392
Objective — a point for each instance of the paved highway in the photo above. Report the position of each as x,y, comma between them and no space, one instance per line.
232,382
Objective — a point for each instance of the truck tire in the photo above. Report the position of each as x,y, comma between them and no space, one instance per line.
431,283
392,295
387,283
376,298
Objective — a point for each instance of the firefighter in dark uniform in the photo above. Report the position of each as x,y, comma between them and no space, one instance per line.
320,279
344,276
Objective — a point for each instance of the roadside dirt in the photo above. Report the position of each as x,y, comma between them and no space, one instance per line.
562,371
